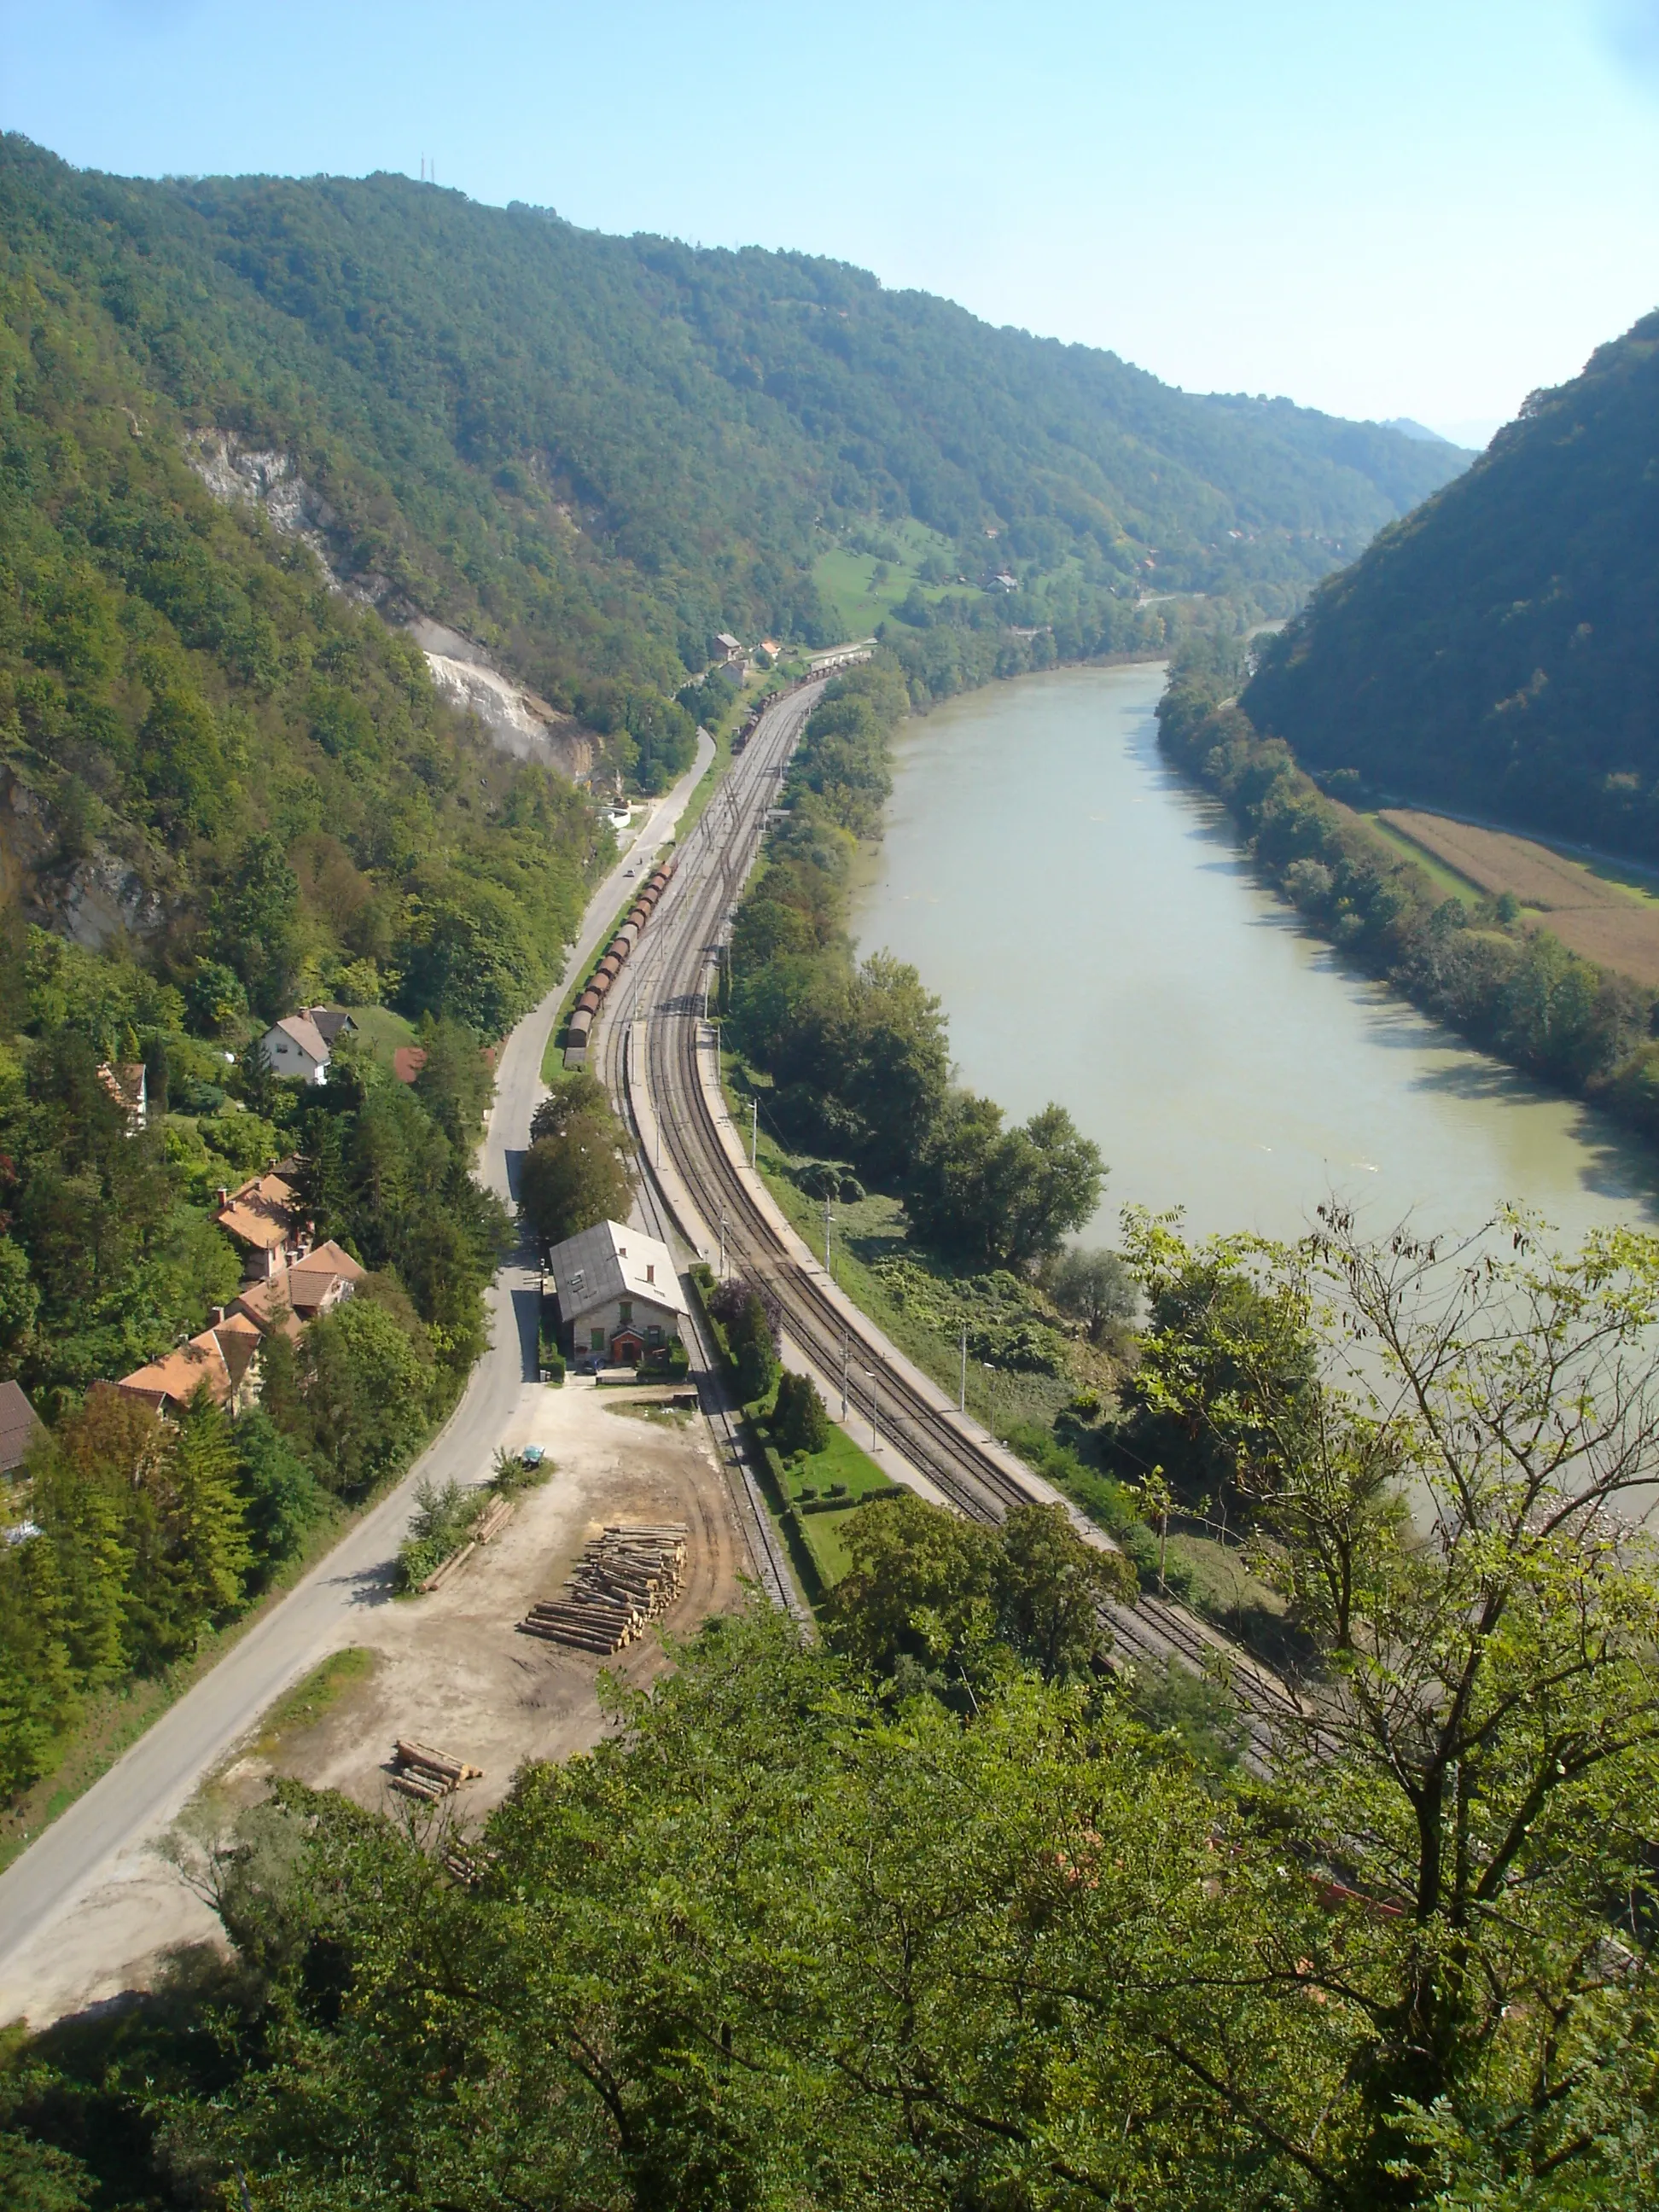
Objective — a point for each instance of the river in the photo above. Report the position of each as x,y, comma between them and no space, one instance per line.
1097,937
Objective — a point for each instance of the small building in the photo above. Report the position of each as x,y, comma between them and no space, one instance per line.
1002,581
619,1294
407,1061
128,1085
287,1300
263,1215
330,1022
226,1357
840,656
730,648
20,1425
296,1047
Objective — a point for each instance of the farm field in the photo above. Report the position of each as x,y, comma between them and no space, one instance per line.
1613,923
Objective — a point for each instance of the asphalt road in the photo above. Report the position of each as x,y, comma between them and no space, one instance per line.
148,1788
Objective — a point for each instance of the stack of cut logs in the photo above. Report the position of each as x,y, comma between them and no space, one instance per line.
493,1517
420,1771
623,1580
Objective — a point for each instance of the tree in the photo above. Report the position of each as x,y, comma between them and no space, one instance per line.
455,1081
1477,1749
363,1385
578,1094
801,1422
1095,1287
1051,1588
749,1334
568,1182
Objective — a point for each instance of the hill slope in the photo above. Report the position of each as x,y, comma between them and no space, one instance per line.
1498,650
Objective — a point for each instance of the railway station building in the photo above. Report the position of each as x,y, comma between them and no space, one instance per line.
619,1295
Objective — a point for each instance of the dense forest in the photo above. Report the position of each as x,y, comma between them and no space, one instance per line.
1497,650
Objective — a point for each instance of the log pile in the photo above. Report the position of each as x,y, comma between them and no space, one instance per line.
623,1579
419,1771
494,1517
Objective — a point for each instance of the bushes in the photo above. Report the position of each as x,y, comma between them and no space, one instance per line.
441,1522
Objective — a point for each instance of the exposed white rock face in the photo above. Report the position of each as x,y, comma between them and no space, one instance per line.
252,477
517,720
105,897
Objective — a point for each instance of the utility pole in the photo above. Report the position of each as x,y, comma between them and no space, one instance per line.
962,1393
846,1363
826,1240
875,1408
754,1130
722,1272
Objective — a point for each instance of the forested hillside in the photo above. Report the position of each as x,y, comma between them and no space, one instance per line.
1498,649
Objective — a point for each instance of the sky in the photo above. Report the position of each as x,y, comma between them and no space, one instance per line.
1381,208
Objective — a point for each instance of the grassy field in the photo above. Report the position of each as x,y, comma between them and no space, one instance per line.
851,584
382,1032
1607,917
840,1467
1446,881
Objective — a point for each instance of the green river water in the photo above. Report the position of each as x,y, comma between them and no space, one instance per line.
1097,937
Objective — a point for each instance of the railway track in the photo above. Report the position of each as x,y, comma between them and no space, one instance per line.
662,1004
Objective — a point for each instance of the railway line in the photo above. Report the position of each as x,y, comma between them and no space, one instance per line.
653,1038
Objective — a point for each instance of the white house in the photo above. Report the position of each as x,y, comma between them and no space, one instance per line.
295,1046
619,1295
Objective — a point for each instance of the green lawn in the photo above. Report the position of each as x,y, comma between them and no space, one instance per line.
382,1032
848,583
841,1464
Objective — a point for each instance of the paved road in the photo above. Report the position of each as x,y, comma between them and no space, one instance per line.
147,1788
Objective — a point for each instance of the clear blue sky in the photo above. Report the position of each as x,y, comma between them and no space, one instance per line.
1381,207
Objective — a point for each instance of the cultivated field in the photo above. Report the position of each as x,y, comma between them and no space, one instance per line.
1613,923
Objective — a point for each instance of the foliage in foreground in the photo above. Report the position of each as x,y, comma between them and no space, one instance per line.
813,1930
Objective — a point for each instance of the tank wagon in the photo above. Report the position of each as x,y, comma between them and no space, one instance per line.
580,1029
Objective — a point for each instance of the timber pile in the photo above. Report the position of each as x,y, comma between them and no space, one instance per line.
495,1516
420,1771
624,1578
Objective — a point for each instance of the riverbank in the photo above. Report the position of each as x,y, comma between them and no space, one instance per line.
1132,963
1493,973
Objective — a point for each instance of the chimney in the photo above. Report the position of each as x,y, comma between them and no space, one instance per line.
218,1316
650,1271
224,1196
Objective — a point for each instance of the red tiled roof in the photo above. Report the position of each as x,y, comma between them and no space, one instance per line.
407,1062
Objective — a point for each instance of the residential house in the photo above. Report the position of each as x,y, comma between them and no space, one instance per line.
296,1047
263,1215
619,1295
730,648
20,1425
286,1300
226,1357
129,1086
330,1022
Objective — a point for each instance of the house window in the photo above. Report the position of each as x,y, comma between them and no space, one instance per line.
596,1339
654,1334
624,1312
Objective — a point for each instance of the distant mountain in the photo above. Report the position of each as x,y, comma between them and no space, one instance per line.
1498,649
571,460
1421,431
